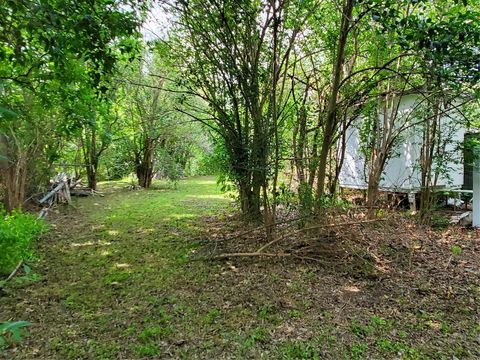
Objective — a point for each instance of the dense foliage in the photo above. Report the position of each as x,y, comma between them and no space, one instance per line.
266,94
263,92
17,233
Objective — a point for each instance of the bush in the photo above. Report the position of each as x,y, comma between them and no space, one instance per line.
17,231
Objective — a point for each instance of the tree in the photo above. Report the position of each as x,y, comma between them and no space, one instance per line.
48,45
236,57
148,117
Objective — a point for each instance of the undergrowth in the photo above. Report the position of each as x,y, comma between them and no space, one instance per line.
17,232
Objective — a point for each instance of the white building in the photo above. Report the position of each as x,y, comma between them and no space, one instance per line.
402,171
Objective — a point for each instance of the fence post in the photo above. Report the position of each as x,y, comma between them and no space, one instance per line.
476,189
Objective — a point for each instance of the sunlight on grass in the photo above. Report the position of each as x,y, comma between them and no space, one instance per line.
207,182
88,243
217,197
122,266
180,216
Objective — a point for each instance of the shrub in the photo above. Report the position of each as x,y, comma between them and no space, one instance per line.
17,231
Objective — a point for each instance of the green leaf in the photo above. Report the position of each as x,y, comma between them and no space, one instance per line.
14,329
13,325
27,269
7,112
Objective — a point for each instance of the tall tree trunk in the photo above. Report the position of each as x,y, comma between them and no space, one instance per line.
13,171
14,177
331,121
92,177
270,211
88,140
144,167
340,156
373,187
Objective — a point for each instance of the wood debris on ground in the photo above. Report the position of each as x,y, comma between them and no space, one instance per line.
63,187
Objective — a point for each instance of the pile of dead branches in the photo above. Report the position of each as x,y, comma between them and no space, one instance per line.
308,242
62,188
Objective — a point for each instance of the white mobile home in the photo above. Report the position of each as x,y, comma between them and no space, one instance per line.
402,172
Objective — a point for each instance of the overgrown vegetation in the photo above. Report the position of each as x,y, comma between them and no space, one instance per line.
305,110
254,90
18,231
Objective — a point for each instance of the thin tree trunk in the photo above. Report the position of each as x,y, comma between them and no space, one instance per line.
331,122
14,179
426,159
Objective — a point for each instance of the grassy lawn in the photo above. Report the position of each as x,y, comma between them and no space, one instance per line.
114,280
112,272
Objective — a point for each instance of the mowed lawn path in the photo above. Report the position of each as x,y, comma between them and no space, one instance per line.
112,271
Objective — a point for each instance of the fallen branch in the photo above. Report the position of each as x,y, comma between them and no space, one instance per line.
99,193
256,254
13,273
253,254
51,193
43,213
260,252
274,241
262,227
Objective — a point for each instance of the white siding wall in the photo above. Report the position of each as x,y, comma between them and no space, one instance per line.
401,171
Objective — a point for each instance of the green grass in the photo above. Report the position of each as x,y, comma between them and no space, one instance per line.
113,263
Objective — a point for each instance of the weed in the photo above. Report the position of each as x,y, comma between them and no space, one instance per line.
439,222
358,350
116,276
385,345
155,332
298,350
360,330
12,333
305,304
456,250
130,330
17,232
381,324
162,316
294,313
444,328
275,277
264,311
148,349
104,351
257,335
209,344
212,316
